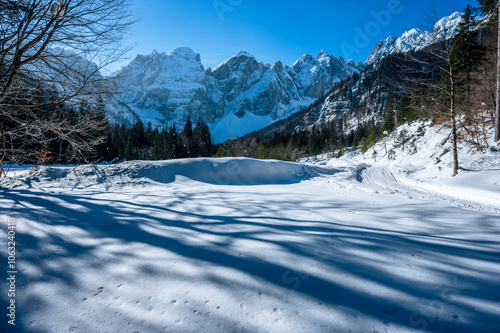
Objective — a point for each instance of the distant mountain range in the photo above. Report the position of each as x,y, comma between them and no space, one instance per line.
241,95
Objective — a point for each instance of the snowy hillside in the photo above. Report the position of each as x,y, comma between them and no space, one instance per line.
417,159
237,97
359,244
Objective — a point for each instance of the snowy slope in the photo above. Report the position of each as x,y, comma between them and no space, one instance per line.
238,245
423,165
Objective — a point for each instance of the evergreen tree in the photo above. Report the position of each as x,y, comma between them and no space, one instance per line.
334,140
467,53
313,142
187,139
372,134
203,140
493,7
158,146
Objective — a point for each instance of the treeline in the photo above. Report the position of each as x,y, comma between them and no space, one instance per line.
291,146
117,143
145,143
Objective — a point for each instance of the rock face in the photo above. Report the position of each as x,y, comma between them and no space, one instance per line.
315,76
161,87
240,93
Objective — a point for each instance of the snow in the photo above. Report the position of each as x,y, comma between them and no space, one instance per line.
449,26
424,167
244,54
240,245
232,127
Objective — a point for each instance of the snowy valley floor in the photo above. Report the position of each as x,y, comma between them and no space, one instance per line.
237,245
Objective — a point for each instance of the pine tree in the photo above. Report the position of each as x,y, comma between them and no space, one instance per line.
187,138
313,142
334,140
204,140
467,53
372,134
391,109
158,145
493,7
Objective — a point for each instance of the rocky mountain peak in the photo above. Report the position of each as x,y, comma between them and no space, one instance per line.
416,39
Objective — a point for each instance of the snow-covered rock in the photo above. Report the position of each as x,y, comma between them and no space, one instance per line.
315,76
160,87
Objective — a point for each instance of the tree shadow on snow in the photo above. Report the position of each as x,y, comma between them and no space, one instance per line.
448,275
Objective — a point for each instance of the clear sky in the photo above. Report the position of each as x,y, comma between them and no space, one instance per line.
276,30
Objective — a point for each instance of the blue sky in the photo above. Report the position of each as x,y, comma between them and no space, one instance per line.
272,30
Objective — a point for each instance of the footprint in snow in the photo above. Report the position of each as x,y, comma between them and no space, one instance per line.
99,290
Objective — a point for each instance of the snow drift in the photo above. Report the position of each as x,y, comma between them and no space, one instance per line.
223,171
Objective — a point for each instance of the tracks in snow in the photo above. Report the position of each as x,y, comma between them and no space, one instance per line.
384,178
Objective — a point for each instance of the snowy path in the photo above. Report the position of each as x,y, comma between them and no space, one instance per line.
383,177
222,246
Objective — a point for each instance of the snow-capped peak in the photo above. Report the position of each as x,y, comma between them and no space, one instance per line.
416,39
448,26
243,54
239,55
382,49
306,59
238,96
322,54
185,53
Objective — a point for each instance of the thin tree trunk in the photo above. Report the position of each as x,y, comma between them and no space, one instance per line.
497,115
454,135
2,171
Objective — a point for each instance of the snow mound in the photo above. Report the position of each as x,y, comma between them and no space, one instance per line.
224,171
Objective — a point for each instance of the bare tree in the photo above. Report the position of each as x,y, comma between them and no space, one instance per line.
431,74
52,58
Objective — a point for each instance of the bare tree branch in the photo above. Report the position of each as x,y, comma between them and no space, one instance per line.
52,56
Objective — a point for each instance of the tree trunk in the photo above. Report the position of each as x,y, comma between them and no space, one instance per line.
2,171
497,115
454,135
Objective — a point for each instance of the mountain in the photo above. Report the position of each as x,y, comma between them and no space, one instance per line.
416,39
159,87
243,95
354,102
237,97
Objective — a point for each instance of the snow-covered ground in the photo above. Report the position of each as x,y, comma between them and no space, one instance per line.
423,167
239,245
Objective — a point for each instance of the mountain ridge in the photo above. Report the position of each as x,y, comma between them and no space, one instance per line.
242,95
165,88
